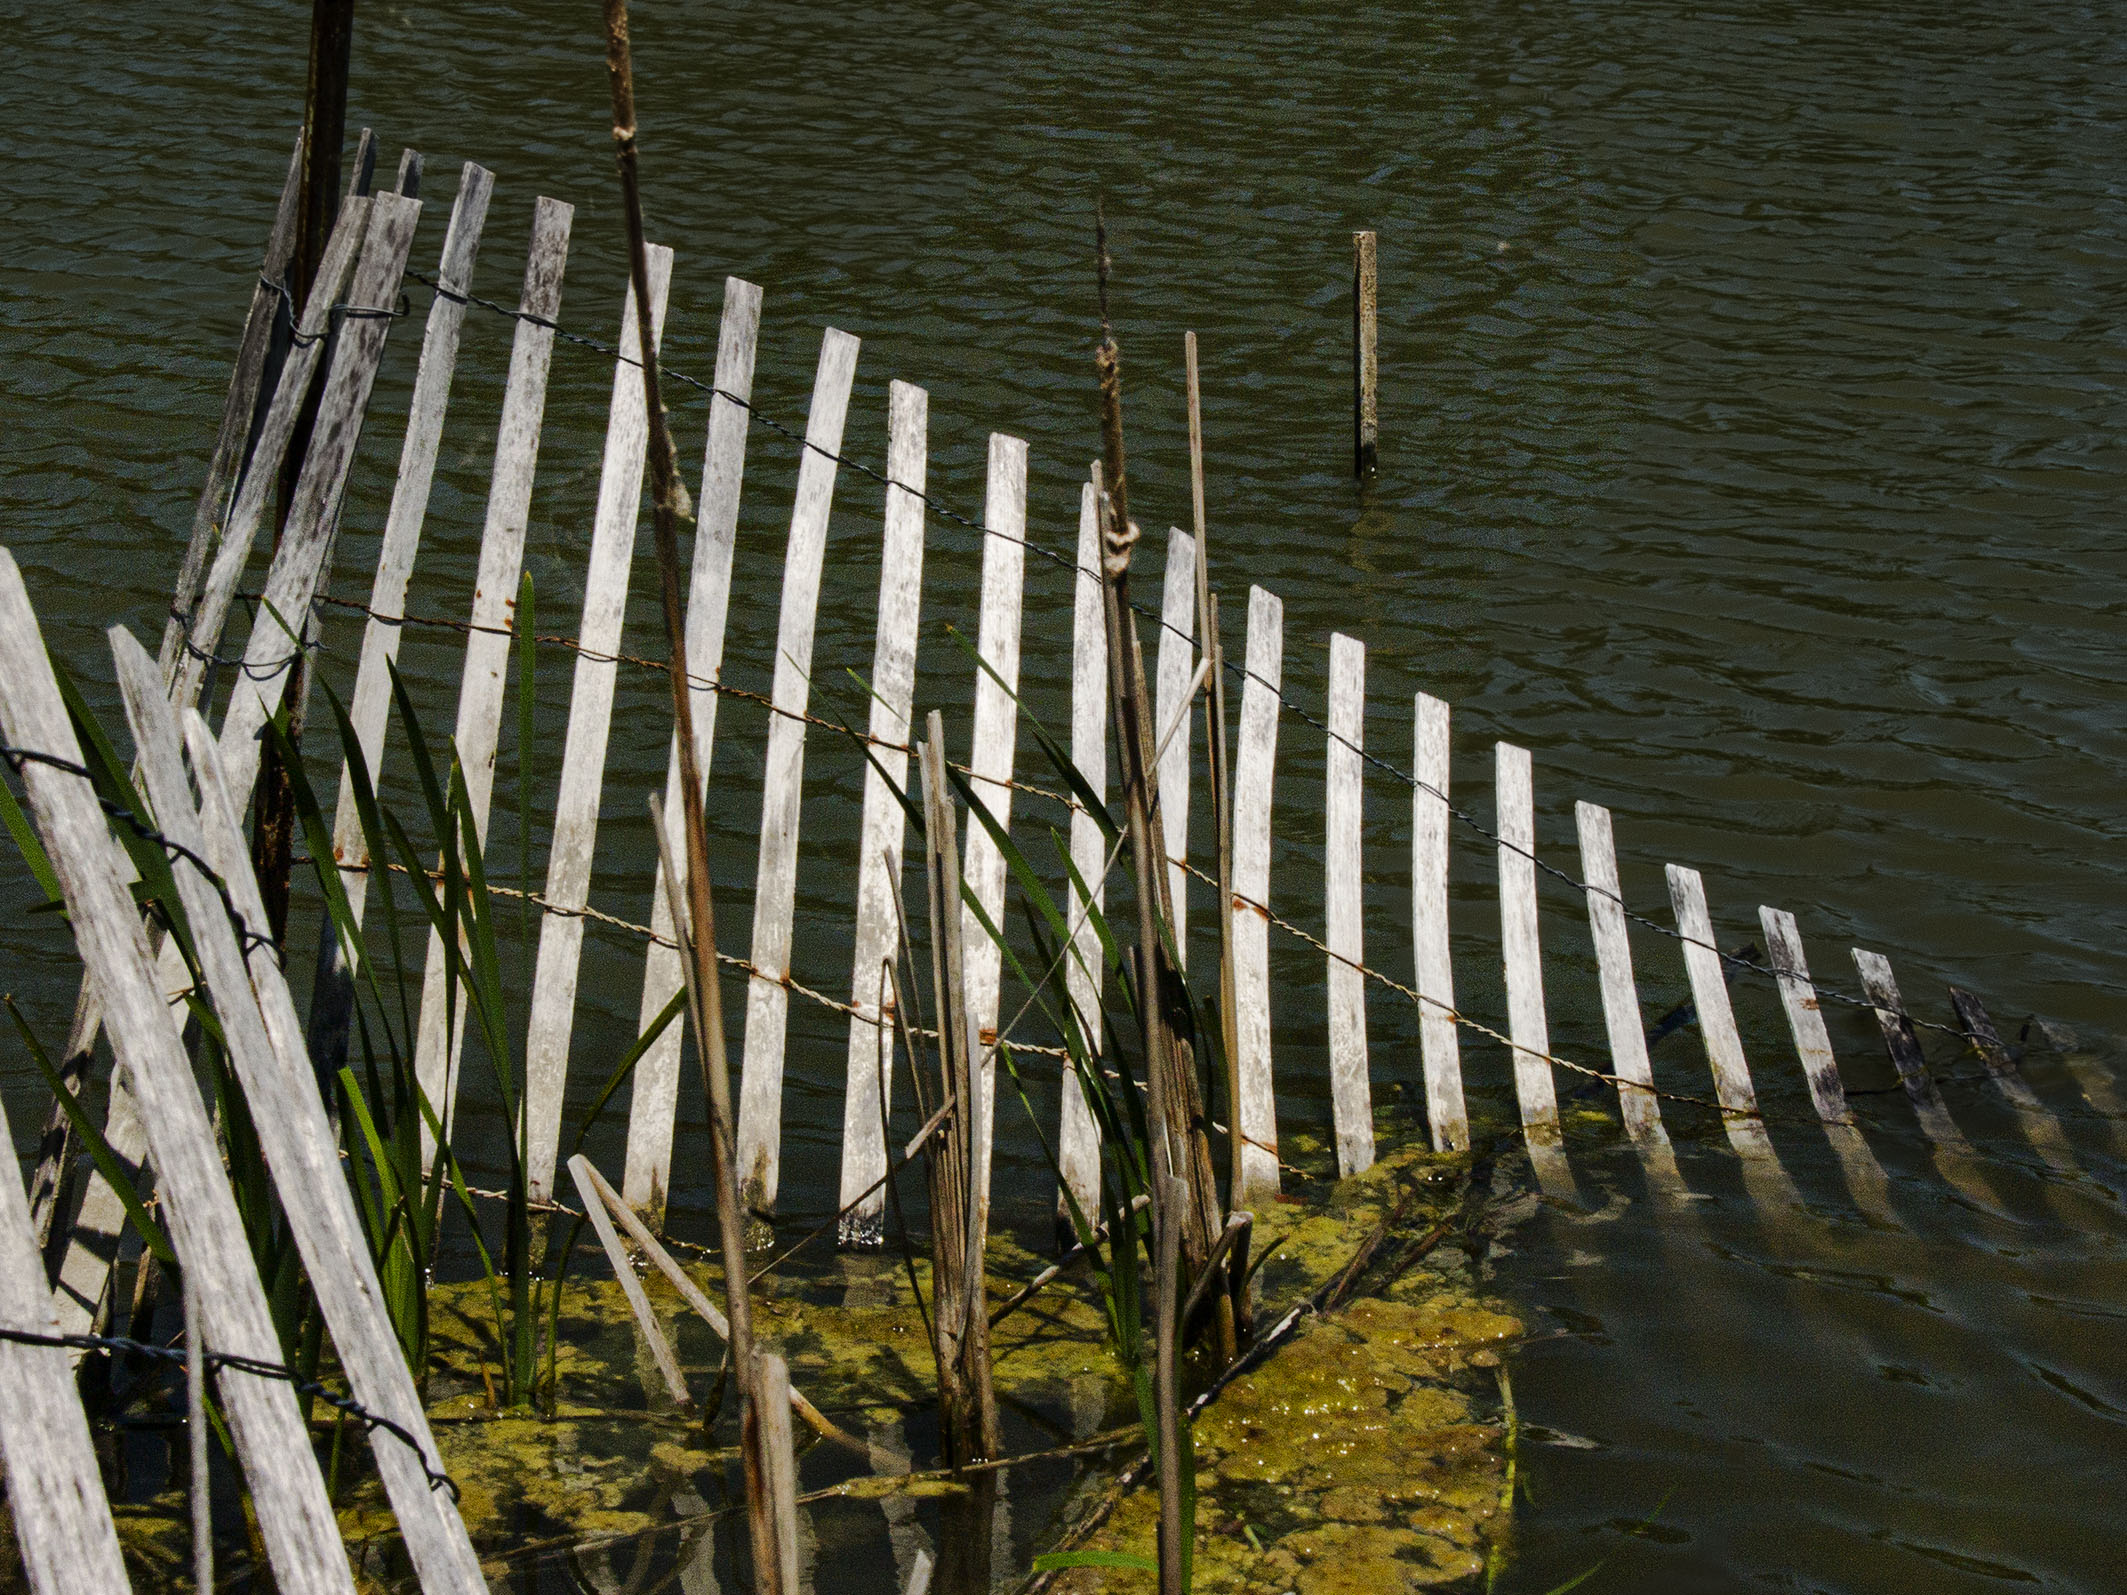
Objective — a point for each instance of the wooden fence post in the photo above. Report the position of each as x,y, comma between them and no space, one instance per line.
1366,360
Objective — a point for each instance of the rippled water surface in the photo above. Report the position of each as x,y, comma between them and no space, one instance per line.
1753,402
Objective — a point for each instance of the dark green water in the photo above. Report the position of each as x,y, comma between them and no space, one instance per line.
1752,396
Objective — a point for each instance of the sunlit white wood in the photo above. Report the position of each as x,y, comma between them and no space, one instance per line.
1176,664
1528,1026
760,1125
990,756
1351,1096
1078,1140
1438,1043
868,1097
646,1175
1253,770
1637,1104
653,1332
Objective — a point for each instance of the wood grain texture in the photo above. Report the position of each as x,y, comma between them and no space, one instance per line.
1637,1104
1439,1046
1078,1137
647,1173
1528,1024
1344,906
1175,665
1253,771
990,756
867,1102
574,841
760,1114
295,1519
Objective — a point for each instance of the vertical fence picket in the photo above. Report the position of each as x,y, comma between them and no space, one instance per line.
1351,1097
868,1098
2040,1125
1954,1156
1528,1025
1865,1179
1257,1179
990,758
1078,1137
294,1517
1439,1046
481,700
655,1101
333,990
1175,667
1636,1101
760,1125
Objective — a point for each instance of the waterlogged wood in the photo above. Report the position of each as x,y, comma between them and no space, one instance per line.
1528,1026
1078,1138
245,379
1172,673
995,740
186,668
2040,1127
1366,359
62,1522
1351,1097
583,760
1439,1046
652,1331
1257,1179
1900,1040
263,1037
295,1520
868,1098
760,1125
297,573
647,1172
1637,1103
1865,1178
333,996
509,505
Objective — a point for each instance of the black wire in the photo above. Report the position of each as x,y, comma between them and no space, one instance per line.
219,1361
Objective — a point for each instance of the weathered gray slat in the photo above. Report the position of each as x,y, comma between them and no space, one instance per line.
295,1520
574,841
647,1172
1439,1046
1637,1103
1253,771
62,1523
1528,1025
1865,1178
993,746
1344,906
264,1041
2040,1126
646,1323
1953,1154
1078,1137
1176,662
868,1098
760,1125
333,990
246,377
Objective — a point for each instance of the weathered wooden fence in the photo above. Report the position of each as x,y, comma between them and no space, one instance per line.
157,1124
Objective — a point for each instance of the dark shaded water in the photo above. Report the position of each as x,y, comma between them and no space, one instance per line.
1752,405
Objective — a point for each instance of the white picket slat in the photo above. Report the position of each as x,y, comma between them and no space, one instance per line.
1344,907
1521,948
868,1100
1253,770
1078,1137
1176,664
990,757
653,1107
760,1125
1439,1046
1637,1104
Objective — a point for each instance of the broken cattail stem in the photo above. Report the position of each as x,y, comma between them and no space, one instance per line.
670,507
1168,1222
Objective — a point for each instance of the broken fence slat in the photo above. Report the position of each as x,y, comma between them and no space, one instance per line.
868,1098
990,756
1528,1025
1900,1040
1254,770
295,1519
1176,664
1344,906
332,1002
2040,1127
1441,1049
654,1103
1078,1137
760,1112
624,1271
574,839
263,1038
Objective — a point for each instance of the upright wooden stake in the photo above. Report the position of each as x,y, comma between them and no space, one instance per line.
1366,360
699,933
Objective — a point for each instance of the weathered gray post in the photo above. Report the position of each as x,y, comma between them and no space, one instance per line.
1366,360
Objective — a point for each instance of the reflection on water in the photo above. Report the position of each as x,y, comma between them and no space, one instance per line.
1752,412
